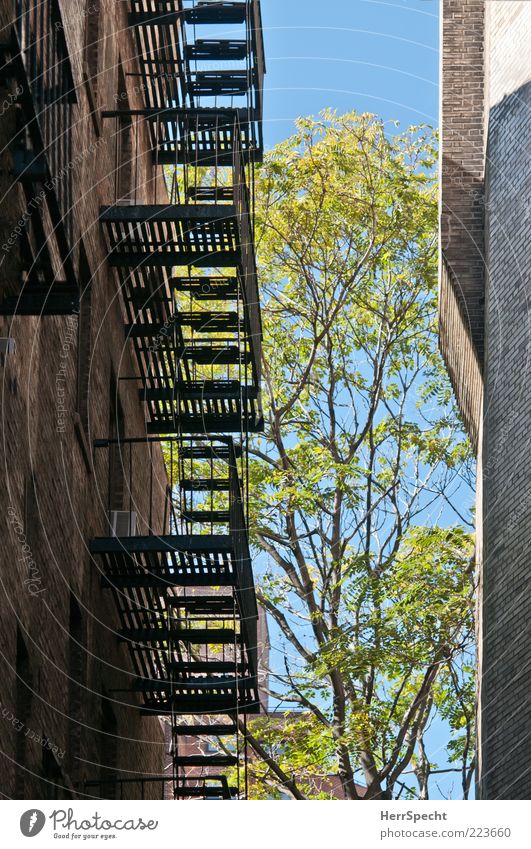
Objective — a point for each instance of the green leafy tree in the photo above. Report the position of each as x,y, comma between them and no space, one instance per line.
368,579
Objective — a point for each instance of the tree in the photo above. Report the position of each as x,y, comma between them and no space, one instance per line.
369,579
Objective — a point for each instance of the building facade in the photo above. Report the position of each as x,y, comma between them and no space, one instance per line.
485,337
63,719
120,236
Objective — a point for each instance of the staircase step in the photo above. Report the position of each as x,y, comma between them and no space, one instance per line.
210,194
222,791
207,793
204,485
206,636
216,12
215,604
206,666
207,517
214,730
208,288
185,544
204,390
205,760
207,704
211,322
208,158
209,452
148,255
220,83
193,600
216,355
216,48
206,12
203,423
200,322
148,580
161,685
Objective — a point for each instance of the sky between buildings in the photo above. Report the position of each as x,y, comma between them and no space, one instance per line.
378,56
370,55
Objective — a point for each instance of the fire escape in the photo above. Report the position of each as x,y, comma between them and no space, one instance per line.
182,577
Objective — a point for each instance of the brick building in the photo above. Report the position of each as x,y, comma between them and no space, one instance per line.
485,337
97,550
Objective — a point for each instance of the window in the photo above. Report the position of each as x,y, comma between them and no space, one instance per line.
53,784
31,512
23,693
84,341
116,459
108,750
76,680
124,144
92,52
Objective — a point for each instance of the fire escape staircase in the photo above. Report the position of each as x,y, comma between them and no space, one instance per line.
183,582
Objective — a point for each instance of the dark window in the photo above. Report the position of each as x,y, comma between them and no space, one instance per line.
23,693
108,750
53,784
124,143
92,52
31,514
76,680
116,455
84,341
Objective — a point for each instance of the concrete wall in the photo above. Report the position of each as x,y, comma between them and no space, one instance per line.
67,506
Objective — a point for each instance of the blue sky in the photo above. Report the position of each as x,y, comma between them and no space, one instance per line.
370,55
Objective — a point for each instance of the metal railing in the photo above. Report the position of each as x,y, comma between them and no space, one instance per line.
240,538
242,203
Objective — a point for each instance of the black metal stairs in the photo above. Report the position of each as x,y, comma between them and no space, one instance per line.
182,581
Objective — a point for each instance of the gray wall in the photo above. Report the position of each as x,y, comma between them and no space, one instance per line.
506,468
485,335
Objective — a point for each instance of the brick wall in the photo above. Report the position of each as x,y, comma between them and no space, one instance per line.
461,355
506,630
485,209
461,201
67,505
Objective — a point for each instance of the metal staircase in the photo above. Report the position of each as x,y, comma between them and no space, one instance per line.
191,105
184,594
183,582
